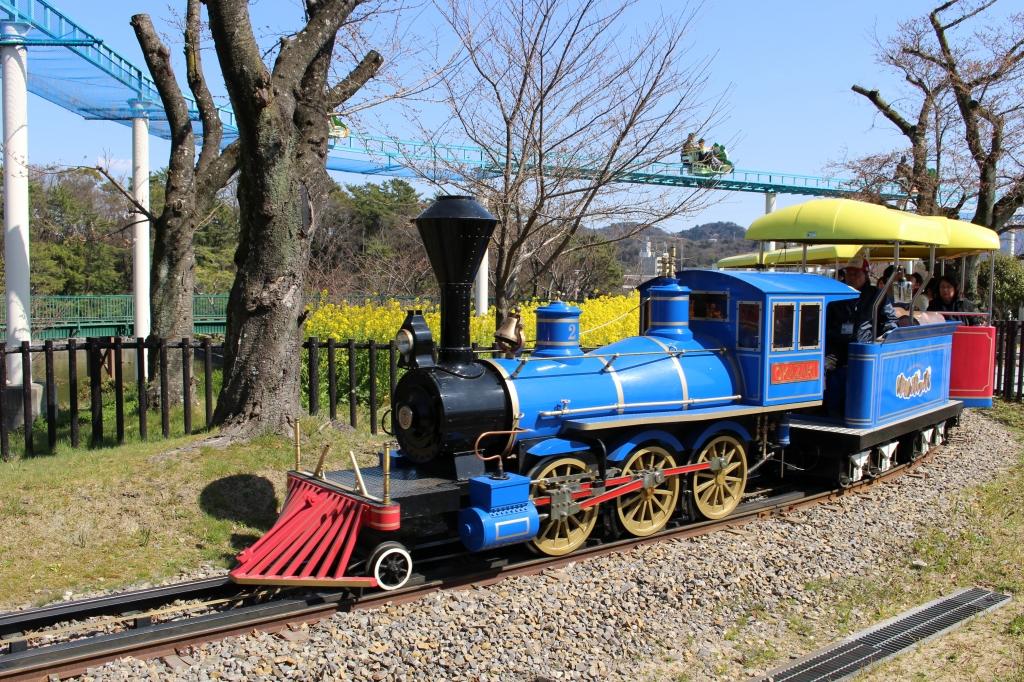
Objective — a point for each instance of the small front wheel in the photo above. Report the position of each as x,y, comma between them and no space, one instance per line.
390,565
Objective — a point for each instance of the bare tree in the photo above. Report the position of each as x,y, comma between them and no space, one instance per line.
915,178
192,185
986,81
929,126
986,74
283,113
566,106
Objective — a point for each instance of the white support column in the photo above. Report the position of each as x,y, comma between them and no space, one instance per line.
769,206
13,62
480,286
140,190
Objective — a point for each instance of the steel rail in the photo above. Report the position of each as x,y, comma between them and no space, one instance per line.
74,657
34,619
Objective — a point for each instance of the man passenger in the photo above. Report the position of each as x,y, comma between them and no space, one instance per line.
850,320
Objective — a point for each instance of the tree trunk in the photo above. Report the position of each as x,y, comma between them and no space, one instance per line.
266,308
283,186
173,283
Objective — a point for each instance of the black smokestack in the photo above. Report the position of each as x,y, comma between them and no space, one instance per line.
455,231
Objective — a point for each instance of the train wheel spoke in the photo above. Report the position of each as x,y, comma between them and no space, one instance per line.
648,510
561,536
716,494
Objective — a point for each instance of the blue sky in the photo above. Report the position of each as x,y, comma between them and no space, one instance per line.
788,65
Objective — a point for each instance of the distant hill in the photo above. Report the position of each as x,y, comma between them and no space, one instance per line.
699,246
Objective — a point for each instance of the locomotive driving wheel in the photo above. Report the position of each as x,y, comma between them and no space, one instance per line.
560,534
646,511
718,490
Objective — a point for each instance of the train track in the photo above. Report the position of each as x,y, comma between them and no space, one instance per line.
144,632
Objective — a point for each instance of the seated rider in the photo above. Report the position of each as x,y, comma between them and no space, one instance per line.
715,158
704,154
689,152
949,300
921,298
721,154
690,146
849,321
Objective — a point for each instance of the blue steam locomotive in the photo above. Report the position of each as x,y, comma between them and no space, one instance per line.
726,377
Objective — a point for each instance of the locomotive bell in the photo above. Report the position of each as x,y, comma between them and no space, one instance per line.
455,231
509,336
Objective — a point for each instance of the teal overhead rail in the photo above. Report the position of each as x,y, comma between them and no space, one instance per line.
74,69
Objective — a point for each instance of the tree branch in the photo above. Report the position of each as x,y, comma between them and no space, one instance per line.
218,172
212,128
977,10
297,53
886,110
139,208
245,74
158,59
366,69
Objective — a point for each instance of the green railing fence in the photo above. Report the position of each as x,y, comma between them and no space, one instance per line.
62,317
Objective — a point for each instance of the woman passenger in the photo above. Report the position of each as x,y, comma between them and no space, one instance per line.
949,300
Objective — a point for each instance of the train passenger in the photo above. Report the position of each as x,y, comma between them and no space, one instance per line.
690,146
689,152
949,300
850,320
704,154
922,298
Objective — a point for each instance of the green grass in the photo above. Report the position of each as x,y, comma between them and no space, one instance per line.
988,553
83,519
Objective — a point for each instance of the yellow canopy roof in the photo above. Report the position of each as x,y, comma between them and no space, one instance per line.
845,221
818,254
966,238
743,260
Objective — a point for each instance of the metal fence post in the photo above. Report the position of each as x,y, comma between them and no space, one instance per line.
392,366
208,380
1010,356
140,365
26,395
95,392
332,380
73,390
373,387
51,397
118,390
165,397
5,443
186,384
352,382
313,344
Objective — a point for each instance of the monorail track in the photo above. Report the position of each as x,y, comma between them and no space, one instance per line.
245,609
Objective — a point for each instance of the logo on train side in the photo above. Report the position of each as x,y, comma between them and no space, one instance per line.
916,384
790,372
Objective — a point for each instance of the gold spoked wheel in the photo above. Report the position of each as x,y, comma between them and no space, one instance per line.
561,536
646,511
717,491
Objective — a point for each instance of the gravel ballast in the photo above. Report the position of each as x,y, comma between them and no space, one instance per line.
712,607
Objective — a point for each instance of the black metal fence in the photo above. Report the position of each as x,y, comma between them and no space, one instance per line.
355,376
114,386
1009,374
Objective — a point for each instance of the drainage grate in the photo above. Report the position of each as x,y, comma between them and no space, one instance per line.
891,637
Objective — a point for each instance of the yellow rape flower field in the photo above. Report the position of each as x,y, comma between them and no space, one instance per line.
604,319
